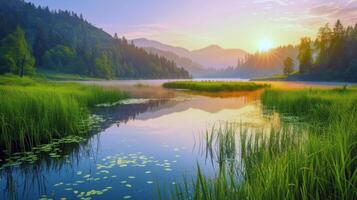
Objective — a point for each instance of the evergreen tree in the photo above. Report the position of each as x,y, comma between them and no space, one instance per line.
305,55
45,30
288,66
323,43
103,66
15,55
59,58
40,45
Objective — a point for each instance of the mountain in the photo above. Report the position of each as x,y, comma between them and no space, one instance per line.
145,43
211,57
65,42
218,58
195,69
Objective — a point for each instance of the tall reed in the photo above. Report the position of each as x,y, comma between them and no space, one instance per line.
33,112
315,161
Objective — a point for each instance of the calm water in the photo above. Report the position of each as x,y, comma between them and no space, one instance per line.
154,140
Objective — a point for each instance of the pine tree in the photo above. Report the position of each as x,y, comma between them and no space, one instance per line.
39,46
103,66
305,55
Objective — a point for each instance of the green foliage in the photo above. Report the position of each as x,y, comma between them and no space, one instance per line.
59,58
316,159
77,51
34,112
214,86
288,66
336,51
15,56
104,67
305,55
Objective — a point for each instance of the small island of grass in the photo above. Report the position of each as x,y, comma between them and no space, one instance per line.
215,86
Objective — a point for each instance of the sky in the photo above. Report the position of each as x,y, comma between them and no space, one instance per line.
194,24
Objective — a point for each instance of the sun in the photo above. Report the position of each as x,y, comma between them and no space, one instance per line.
265,44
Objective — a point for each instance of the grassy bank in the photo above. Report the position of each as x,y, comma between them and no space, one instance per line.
34,111
214,86
51,75
316,160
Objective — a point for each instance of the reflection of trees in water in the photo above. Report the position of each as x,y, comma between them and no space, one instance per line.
27,179
124,113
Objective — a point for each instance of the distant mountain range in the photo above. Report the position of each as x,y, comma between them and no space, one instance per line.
192,67
211,57
216,62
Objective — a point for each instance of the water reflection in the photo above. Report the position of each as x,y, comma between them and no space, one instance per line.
140,146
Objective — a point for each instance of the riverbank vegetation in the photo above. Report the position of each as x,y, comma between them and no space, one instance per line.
214,86
315,159
35,111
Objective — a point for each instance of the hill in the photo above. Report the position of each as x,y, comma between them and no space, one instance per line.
217,57
211,57
65,42
195,69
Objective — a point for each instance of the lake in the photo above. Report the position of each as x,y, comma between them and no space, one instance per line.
153,140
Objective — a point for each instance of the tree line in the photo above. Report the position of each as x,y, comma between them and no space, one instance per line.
36,37
332,55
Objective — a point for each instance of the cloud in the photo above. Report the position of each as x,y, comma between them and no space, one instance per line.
326,9
344,10
279,2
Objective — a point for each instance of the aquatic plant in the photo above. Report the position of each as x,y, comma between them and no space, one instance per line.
215,86
316,160
34,112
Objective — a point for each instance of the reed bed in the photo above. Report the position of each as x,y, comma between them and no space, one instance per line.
316,160
33,112
214,86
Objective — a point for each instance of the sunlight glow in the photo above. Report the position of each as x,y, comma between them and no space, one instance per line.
265,45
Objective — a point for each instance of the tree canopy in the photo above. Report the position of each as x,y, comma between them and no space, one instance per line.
15,55
288,66
333,55
54,47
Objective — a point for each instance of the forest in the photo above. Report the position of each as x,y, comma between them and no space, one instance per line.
331,56
63,41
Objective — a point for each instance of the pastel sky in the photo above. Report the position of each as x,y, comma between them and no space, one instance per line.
198,23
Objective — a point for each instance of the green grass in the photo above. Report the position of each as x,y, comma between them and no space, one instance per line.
275,77
316,159
214,86
33,111
52,75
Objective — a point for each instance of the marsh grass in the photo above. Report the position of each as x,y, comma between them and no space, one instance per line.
314,160
214,86
33,112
